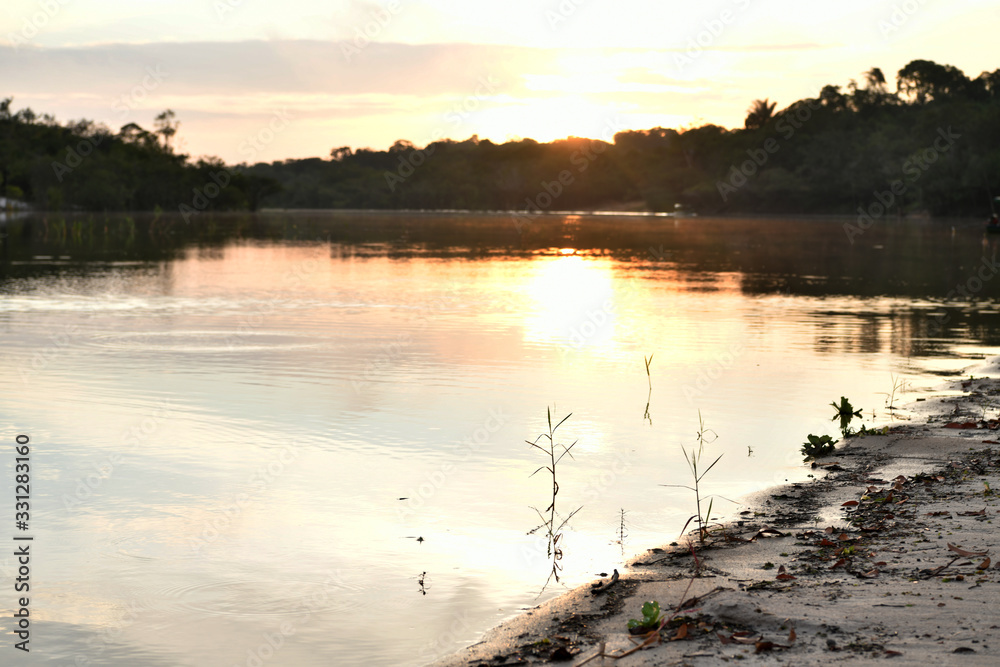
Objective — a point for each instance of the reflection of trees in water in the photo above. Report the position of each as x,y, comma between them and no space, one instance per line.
921,259
912,332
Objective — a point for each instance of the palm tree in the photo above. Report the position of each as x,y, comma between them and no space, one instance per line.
759,113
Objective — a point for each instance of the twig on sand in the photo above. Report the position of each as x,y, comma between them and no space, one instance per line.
601,587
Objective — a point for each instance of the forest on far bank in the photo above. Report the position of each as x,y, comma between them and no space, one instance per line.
929,143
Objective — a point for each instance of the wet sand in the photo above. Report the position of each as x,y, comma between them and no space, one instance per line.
891,552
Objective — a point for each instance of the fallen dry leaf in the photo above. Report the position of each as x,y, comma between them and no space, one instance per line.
682,632
964,552
851,503
985,564
768,531
981,512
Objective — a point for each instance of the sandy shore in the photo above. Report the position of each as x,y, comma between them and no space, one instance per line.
891,552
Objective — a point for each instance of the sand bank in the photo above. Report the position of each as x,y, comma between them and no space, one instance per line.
892,552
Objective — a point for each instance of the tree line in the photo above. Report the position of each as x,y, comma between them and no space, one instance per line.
84,166
928,144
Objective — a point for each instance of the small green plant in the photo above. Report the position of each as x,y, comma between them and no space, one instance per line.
693,459
817,446
651,618
845,413
899,385
555,453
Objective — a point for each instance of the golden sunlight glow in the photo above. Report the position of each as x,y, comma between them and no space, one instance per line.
574,301
550,118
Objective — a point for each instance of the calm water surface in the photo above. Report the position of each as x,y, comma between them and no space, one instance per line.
241,427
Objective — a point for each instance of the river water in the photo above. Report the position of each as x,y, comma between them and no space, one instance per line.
300,439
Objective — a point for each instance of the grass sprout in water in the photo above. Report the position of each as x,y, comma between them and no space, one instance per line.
552,522
698,472
649,396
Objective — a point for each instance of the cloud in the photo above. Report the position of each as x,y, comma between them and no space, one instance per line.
259,67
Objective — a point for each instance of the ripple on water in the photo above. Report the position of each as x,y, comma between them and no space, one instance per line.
250,597
210,342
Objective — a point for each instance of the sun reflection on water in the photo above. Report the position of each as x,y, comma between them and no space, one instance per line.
573,301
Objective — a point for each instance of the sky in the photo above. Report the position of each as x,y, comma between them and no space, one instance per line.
258,80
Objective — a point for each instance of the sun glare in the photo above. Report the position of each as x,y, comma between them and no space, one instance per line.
547,119
573,301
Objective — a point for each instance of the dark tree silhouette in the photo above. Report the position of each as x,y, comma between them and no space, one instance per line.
759,113
166,127
923,81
